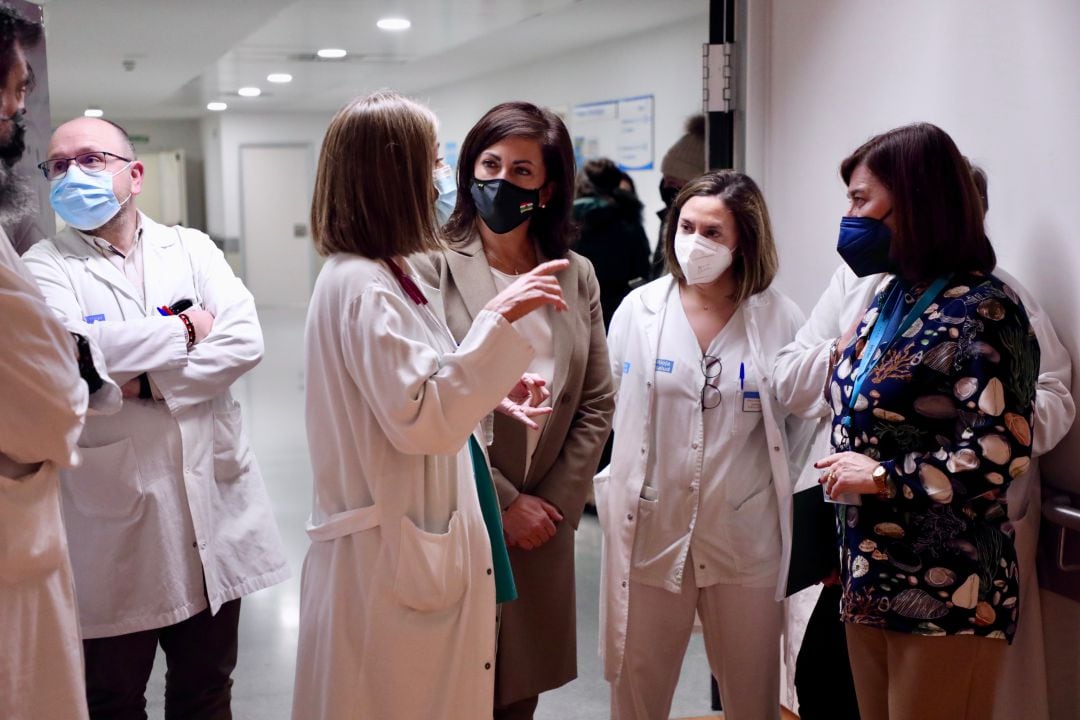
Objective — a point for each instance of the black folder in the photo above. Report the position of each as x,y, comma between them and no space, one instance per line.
814,549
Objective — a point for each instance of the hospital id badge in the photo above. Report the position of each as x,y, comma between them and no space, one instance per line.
751,401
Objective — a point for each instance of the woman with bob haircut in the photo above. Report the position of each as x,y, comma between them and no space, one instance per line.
399,587
932,393
516,190
695,506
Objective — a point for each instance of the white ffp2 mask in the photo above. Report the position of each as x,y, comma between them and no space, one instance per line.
702,261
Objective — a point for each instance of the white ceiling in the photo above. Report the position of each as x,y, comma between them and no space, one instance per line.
190,52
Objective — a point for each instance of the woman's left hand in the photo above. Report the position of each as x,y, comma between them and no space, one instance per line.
847,472
522,400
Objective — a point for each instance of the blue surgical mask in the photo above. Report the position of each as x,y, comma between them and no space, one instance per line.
864,245
84,201
447,188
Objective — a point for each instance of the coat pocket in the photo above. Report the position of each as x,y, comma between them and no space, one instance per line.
755,531
232,453
107,484
432,568
31,541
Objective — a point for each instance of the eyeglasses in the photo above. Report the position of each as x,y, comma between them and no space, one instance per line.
711,367
91,163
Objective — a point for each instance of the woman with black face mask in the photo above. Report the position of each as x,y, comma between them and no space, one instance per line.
515,192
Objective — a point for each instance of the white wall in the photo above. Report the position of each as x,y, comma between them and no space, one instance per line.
664,62
176,135
999,76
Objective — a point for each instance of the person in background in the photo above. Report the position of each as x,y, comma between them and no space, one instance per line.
822,656
43,408
695,507
168,521
611,236
683,161
932,396
407,561
516,184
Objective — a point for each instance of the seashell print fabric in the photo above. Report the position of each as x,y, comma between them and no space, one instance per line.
948,412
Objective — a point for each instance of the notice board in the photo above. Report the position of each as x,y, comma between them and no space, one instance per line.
618,129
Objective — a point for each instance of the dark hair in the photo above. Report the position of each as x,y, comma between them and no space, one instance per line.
982,184
550,227
938,212
373,191
14,28
600,176
755,263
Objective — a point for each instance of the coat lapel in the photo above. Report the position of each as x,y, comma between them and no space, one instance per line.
73,245
472,275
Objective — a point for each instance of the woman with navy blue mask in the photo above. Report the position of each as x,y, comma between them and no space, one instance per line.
931,393
515,193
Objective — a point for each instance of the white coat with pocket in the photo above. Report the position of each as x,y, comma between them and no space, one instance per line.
168,493
397,607
633,341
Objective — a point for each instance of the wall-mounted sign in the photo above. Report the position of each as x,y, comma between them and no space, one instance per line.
618,129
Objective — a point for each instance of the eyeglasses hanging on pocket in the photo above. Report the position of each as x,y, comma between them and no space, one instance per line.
711,367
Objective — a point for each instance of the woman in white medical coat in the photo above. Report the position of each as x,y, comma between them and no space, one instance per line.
397,610
695,508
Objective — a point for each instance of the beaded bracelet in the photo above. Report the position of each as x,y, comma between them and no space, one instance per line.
190,329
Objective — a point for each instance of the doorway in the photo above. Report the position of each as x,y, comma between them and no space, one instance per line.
276,252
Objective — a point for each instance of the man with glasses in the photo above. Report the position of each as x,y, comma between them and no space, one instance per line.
167,517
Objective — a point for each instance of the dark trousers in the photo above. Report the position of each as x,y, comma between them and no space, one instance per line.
200,655
520,710
823,672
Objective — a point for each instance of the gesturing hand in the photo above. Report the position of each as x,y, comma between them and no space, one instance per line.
533,290
529,522
522,402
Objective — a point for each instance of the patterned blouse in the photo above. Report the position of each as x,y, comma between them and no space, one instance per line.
947,410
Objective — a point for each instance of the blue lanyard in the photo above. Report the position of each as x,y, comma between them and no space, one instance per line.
887,328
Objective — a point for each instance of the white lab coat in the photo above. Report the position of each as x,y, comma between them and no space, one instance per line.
634,336
42,408
800,373
168,493
397,608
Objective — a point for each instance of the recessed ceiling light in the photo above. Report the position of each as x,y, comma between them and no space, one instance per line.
393,23
249,92
279,77
331,53
94,112
216,106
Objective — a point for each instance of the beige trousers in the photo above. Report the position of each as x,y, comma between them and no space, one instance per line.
910,677
742,640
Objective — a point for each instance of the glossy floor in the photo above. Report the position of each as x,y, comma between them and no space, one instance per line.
273,400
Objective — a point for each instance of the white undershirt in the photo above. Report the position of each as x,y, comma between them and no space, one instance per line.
708,489
536,329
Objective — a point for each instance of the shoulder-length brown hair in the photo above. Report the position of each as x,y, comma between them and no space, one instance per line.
936,205
373,189
755,263
550,226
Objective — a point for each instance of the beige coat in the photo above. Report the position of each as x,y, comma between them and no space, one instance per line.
537,637
42,409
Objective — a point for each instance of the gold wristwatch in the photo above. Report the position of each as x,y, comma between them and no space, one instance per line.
880,475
